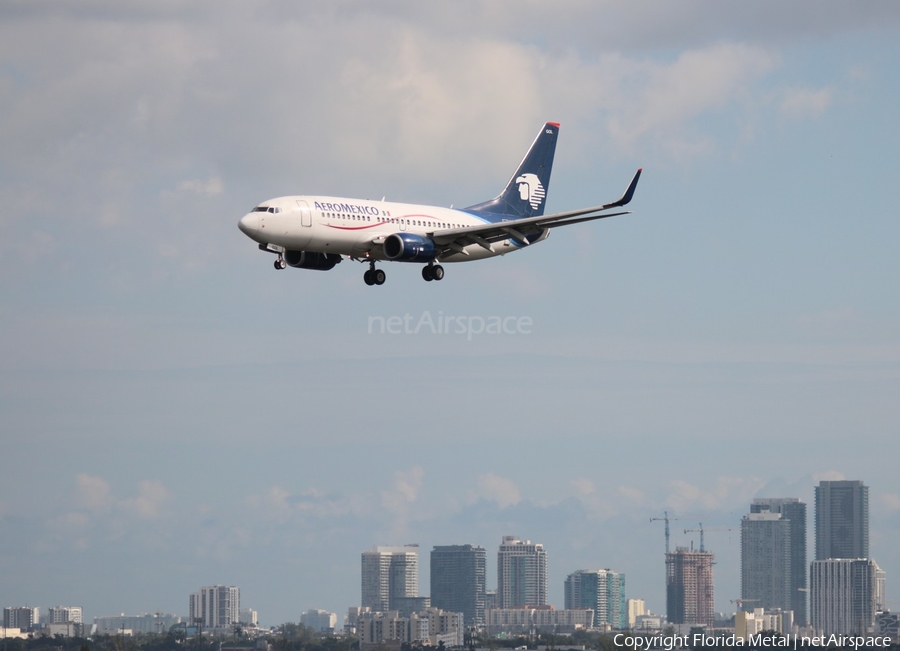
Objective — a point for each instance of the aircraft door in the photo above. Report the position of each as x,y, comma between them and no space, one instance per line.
402,224
305,214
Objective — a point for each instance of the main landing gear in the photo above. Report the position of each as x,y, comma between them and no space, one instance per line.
374,276
280,263
432,271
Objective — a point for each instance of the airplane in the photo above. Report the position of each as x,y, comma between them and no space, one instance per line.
317,232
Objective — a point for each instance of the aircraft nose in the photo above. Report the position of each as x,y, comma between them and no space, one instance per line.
249,223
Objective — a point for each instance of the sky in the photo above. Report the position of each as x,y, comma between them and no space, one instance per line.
174,413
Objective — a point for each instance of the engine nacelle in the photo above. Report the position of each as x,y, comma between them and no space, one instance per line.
409,247
309,260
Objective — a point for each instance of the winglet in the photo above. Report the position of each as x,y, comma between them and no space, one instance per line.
628,193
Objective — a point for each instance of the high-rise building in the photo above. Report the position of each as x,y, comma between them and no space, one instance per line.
842,520
458,577
64,615
23,617
217,606
845,595
690,596
603,591
766,561
521,573
389,573
794,511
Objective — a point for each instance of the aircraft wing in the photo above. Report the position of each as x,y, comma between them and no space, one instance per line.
456,239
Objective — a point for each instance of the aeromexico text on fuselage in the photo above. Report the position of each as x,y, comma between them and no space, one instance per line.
349,208
339,211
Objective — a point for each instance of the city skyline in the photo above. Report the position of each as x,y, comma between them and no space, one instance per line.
408,570
175,413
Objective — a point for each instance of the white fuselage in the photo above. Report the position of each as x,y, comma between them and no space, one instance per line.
350,226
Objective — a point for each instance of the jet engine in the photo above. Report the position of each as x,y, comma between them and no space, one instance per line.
409,247
309,260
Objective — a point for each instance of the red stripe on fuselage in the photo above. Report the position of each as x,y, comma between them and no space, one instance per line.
356,228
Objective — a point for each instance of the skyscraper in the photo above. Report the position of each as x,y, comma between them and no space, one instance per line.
603,591
389,574
218,606
766,561
794,511
842,520
690,596
458,577
845,594
521,573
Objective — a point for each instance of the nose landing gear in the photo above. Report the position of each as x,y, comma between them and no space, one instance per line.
280,263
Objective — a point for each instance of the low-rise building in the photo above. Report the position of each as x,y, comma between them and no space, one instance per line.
388,630
144,623
320,621
760,619
546,618
64,615
21,617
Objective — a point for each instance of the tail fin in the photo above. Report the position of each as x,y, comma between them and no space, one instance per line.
526,191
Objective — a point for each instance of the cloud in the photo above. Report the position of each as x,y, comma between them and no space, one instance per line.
802,103
634,495
583,486
208,188
597,503
726,493
829,475
405,489
891,501
92,493
400,498
660,101
95,502
500,490
152,496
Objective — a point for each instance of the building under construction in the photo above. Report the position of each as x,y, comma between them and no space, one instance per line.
690,597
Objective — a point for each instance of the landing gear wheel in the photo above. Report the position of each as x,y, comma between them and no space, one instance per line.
428,272
437,272
379,276
280,264
369,277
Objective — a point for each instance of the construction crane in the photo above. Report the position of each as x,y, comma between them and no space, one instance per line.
701,530
666,519
740,602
